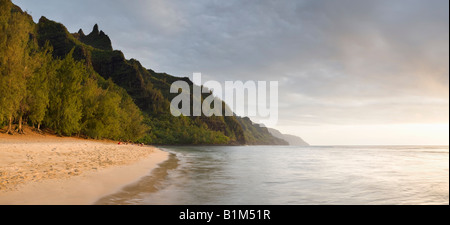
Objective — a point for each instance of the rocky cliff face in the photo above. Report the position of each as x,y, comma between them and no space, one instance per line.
151,92
97,39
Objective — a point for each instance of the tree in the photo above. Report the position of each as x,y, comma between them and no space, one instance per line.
14,70
5,12
38,85
131,120
65,108
90,98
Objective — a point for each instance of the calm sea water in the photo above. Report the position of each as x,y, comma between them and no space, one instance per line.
288,175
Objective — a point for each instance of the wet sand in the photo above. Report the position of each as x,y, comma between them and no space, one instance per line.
40,169
135,193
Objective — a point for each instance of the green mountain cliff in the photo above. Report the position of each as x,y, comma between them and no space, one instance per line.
94,91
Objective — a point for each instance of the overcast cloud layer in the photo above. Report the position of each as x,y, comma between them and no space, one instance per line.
337,62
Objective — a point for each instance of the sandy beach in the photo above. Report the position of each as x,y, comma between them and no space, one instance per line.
41,169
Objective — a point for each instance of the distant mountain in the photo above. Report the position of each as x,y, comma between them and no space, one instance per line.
257,134
112,72
291,139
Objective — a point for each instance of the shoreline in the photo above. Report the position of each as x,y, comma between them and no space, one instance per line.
38,169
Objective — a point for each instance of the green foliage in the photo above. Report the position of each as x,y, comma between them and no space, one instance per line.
61,40
54,89
38,85
84,103
14,58
131,120
166,129
77,85
65,110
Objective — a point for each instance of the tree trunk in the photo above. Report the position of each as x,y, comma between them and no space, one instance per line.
9,131
20,129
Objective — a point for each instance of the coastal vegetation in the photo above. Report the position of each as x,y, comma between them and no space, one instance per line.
77,85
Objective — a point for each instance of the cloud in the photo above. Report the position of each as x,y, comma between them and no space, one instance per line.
346,62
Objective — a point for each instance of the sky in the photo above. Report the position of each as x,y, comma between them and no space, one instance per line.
350,72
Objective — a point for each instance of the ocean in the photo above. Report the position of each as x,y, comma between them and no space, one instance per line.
290,175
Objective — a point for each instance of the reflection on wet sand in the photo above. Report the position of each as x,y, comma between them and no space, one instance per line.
146,185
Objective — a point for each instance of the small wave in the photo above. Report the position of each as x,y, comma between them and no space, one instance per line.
131,194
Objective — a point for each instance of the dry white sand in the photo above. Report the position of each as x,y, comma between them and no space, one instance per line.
44,169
